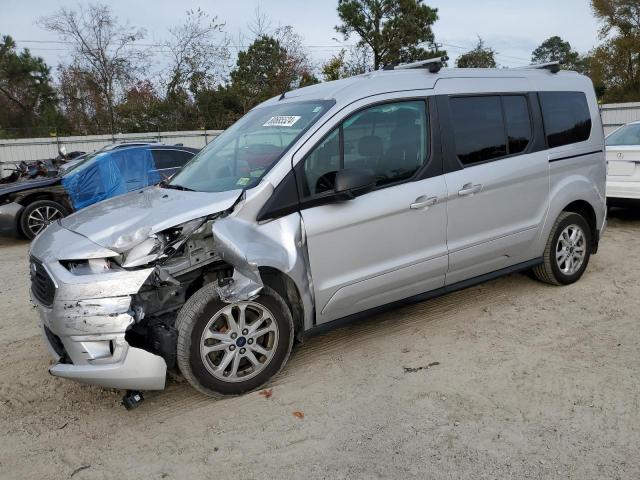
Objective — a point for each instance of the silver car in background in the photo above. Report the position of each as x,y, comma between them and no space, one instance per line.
324,204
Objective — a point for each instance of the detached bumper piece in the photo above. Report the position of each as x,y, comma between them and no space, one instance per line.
137,370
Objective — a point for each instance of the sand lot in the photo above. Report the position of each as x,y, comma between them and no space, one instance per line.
531,381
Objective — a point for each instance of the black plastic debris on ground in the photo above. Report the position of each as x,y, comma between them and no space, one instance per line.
417,369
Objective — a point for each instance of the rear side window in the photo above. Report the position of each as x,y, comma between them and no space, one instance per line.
490,127
479,128
566,117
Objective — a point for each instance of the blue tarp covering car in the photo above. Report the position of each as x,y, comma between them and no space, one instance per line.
110,174
27,207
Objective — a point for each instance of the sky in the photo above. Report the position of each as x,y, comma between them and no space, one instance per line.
513,28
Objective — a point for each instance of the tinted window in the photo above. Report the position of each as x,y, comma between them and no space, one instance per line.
170,158
479,129
566,117
516,114
627,135
390,139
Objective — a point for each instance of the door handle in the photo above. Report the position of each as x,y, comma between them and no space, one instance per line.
469,189
423,202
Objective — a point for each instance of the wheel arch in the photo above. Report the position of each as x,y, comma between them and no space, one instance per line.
586,210
578,194
284,285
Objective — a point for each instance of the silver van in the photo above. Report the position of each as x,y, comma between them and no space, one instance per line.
326,203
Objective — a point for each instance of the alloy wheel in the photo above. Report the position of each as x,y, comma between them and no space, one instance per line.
571,249
41,217
239,341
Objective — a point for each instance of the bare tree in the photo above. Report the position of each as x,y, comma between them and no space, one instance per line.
261,24
101,47
199,58
297,62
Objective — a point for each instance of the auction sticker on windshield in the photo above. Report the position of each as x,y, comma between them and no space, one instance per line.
282,121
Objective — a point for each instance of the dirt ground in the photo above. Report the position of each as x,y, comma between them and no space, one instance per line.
510,379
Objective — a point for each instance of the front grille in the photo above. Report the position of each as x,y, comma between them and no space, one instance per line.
42,285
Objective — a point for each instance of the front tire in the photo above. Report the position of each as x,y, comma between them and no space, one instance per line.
230,349
38,215
567,252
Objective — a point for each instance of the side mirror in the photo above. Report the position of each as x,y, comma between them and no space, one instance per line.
62,151
353,182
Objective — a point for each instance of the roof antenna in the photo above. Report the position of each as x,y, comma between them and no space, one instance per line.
282,96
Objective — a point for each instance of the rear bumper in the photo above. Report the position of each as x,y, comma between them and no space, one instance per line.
617,189
9,215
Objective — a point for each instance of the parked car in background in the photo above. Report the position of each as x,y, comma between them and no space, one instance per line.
114,146
318,205
28,207
623,165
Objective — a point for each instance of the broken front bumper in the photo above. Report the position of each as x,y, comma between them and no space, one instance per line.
86,338
84,318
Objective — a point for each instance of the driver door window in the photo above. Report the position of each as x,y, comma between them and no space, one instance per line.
389,139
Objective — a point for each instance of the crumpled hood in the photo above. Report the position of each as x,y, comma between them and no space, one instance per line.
150,210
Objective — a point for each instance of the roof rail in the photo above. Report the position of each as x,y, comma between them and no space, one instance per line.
432,64
553,67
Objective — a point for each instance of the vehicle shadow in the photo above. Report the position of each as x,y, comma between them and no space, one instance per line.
628,213
12,242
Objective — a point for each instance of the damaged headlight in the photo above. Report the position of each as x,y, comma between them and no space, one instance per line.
157,246
148,251
91,266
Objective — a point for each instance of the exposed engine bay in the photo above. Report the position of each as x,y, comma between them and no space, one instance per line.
188,262
184,259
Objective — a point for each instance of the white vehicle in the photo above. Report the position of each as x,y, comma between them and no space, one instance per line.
623,164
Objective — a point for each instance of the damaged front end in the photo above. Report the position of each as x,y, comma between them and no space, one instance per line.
108,297
109,317
107,283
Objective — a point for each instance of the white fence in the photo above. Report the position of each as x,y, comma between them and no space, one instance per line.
30,149
615,115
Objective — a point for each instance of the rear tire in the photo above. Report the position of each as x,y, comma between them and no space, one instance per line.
239,359
38,215
567,252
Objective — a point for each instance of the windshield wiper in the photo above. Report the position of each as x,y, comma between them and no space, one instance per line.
177,187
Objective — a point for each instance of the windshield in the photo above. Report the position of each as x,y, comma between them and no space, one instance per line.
242,154
627,135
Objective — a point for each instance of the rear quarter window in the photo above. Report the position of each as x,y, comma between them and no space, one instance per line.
566,117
